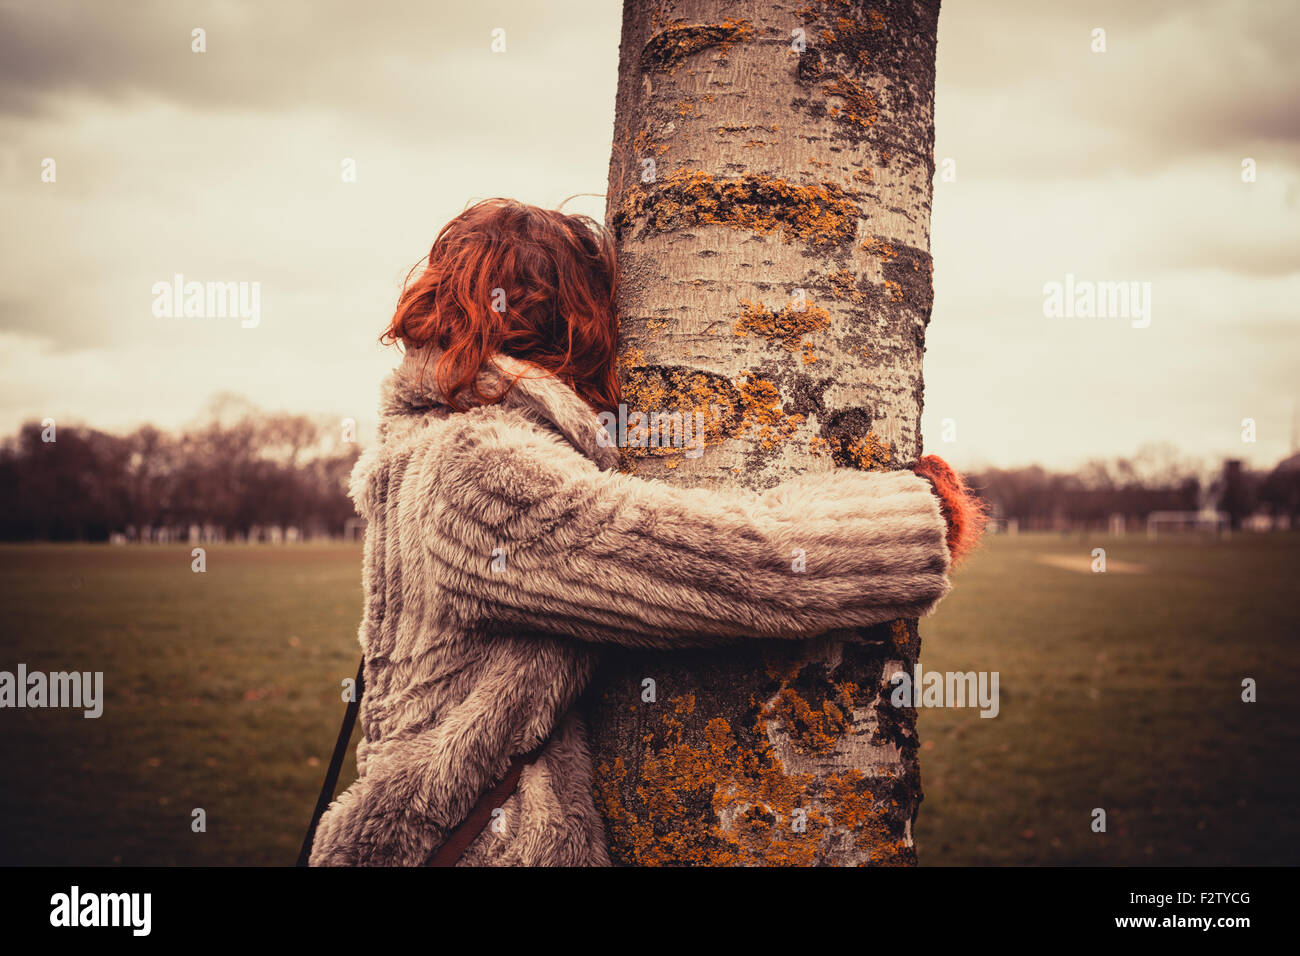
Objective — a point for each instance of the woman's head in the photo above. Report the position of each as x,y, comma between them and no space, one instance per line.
532,283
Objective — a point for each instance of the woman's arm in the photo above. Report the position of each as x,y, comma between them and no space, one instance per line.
529,532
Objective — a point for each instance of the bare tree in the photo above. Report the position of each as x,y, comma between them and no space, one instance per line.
770,190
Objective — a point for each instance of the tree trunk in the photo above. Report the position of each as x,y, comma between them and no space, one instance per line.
770,192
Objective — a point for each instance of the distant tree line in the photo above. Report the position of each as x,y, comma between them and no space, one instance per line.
1038,499
236,474
246,474
1156,479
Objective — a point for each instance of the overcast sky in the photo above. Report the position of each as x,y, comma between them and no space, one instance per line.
1117,166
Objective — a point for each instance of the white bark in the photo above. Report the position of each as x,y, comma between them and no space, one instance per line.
776,274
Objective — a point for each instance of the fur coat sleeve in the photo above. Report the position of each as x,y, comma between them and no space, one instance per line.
533,534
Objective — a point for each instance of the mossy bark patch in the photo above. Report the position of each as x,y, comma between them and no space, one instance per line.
716,792
859,104
786,328
853,444
820,215
907,272
679,388
670,46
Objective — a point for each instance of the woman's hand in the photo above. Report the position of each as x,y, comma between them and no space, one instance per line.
964,512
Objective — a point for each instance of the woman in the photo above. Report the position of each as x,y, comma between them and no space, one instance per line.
503,547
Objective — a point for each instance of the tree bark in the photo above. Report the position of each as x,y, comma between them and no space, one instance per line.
771,202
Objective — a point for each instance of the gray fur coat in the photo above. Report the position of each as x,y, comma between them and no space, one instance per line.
503,547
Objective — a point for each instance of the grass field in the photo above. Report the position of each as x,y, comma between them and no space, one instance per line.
1119,690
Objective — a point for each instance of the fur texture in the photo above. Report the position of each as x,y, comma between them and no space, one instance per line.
502,548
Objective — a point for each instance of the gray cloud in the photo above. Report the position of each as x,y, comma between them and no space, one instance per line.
1021,94
392,60
225,166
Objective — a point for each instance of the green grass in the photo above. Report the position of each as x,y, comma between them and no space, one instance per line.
1118,690
222,692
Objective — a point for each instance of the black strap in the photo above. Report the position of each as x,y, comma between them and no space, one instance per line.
336,764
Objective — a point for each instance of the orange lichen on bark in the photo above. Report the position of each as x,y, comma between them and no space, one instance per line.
642,144
731,409
608,783
870,453
631,357
786,328
819,214
844,285
853,32
885,252
860,104
718,803
761,409
683,390
811,730
857,811
880,248
816,730
670,46
900,635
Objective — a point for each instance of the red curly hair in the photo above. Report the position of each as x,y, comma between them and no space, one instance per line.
532,283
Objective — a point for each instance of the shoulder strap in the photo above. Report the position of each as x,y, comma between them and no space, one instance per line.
465,834
336,764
